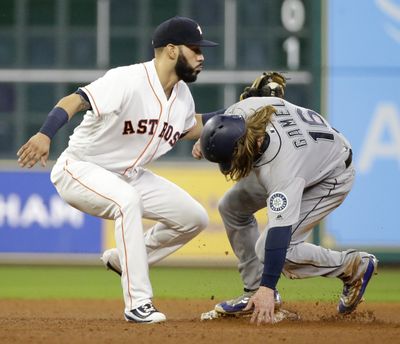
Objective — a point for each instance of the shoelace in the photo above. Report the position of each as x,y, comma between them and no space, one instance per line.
148,307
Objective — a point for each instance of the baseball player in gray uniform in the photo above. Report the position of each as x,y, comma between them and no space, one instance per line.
287,159
135,114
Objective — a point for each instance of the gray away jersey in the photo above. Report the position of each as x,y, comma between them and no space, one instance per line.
304,150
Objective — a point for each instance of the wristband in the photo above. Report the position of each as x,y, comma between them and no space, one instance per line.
54,121
276,245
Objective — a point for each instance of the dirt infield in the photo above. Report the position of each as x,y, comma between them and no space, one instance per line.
77,321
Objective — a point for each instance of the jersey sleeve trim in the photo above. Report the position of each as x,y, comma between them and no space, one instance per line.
92,101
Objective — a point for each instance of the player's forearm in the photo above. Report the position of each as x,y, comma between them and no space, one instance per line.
73,104
64,110
194,133
276,245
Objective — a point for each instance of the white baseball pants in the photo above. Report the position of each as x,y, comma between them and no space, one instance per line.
101,193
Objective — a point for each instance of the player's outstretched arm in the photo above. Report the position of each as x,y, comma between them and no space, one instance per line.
38,146
195,131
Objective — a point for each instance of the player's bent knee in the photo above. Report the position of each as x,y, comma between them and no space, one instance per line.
228,205
201,219
197,219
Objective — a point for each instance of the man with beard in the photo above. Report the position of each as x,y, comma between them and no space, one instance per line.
134,114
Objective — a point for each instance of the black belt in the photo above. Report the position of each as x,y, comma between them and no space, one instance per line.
348,161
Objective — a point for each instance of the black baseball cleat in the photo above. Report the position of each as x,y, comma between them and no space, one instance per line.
145,314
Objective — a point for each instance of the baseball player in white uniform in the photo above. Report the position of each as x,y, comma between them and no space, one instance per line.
135,114
289,160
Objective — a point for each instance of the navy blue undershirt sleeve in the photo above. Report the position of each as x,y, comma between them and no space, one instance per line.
206,116
84,96
276,245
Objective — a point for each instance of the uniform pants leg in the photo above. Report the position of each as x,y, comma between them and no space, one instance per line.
307,260
180,217
101,193
237,208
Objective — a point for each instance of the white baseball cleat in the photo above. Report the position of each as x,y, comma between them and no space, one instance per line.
146,314
110,259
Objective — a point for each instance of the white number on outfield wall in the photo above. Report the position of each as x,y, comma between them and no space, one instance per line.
291,45
293,16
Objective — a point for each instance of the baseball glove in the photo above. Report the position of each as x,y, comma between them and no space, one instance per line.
269,84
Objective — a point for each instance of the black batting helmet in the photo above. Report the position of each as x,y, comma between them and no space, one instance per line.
219,137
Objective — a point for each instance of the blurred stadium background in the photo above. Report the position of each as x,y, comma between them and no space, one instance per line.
341,57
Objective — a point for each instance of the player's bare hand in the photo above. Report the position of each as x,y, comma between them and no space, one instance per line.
264,306
196,150
37,148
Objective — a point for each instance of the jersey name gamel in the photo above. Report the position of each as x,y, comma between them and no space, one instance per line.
288,123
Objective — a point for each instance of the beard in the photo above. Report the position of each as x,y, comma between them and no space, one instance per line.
184,71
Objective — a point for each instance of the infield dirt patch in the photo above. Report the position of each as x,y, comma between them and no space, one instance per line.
96,321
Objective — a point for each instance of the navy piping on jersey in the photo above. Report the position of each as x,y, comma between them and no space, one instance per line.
263,148
279,149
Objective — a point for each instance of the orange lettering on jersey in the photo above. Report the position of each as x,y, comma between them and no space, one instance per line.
128,128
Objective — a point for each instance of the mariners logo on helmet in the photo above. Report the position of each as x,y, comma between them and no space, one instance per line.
278,202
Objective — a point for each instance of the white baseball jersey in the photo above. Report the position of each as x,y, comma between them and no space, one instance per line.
131,122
